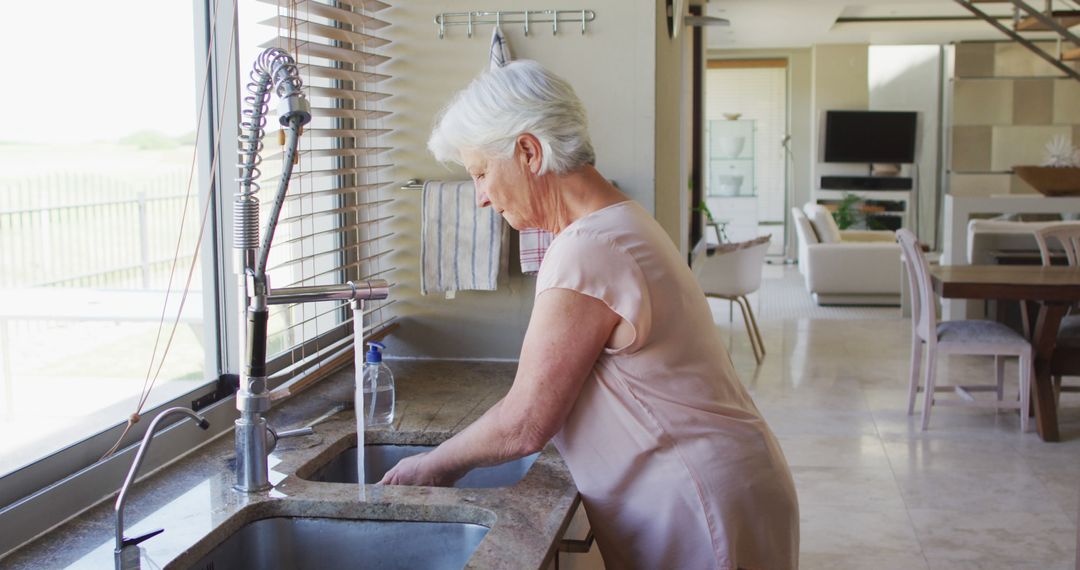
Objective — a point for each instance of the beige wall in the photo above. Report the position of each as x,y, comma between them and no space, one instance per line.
613,68
673,111
841,81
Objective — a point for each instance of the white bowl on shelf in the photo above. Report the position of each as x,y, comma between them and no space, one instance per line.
727,185
728,147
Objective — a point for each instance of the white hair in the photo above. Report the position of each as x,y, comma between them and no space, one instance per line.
504,103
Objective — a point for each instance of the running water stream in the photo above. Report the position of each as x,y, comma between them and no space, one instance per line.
358,394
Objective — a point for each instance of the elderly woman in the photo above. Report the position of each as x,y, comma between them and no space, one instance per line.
621,366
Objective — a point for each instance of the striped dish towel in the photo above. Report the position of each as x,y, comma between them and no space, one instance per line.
533,242
460,245
500,50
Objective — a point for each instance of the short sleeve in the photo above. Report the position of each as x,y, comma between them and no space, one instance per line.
597,268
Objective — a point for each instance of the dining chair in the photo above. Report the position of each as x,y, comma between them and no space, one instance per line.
971,337
1066,234
1066,358
732,273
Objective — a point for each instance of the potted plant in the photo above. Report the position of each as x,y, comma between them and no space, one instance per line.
846,213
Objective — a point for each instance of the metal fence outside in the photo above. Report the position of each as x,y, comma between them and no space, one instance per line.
91,230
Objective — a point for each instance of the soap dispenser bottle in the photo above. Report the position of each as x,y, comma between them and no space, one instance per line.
378,388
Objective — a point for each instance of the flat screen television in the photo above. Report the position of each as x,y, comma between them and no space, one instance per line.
870,136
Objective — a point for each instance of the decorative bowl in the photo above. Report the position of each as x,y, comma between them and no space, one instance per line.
728,147
1051,180
732,116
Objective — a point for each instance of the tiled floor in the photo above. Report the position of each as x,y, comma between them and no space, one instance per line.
874,490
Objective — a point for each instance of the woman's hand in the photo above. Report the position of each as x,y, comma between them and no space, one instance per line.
419,470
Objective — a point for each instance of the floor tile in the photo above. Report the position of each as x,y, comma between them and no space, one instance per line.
863,487
994,538
861,561
975,490
837,530
834,451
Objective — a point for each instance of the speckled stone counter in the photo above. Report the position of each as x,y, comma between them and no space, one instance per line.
194,501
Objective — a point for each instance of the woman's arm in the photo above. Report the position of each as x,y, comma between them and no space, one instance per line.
567,332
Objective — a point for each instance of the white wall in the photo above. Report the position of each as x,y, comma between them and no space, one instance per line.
908,78
673,133
613,68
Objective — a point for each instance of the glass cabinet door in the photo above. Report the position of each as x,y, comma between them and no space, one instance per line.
731,158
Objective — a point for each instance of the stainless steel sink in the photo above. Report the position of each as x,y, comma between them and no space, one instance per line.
318,543
378,459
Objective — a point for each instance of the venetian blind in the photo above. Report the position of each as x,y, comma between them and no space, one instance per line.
331,228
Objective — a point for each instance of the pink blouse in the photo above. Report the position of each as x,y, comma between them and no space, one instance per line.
674,463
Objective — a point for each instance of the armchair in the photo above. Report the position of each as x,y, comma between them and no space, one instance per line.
846,267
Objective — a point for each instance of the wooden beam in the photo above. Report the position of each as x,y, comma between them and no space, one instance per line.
746,63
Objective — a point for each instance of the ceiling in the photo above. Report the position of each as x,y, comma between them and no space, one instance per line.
801,23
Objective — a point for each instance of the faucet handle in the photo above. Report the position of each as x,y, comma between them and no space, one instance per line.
142,537
295,432
276,435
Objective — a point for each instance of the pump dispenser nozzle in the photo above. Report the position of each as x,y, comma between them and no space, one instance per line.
373,353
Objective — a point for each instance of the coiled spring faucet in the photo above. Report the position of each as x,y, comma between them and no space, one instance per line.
275,70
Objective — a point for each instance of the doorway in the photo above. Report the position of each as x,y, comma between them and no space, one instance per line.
747,159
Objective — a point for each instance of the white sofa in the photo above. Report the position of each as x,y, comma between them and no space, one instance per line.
846,267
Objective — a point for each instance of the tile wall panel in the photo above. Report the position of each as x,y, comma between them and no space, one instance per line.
978,184
1066,102
974,60
1014,145
971,147
1033,102
983,102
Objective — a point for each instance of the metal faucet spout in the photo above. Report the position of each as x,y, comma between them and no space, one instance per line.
126,552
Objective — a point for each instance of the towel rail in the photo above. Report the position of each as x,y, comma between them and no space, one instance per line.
526,17
413,184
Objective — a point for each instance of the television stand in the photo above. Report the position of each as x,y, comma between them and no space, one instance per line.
888,200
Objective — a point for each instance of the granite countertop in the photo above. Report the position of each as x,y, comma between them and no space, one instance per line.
194,500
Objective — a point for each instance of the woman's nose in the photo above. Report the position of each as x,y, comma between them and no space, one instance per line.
482,200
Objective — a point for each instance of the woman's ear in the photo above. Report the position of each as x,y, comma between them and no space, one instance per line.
530,151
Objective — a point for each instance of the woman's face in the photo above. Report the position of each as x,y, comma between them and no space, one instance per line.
502,184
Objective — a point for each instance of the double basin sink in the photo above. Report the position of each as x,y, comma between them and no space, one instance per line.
305,542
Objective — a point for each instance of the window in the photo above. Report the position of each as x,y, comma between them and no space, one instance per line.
95,203
94,182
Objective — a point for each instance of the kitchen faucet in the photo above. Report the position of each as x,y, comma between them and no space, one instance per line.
274,68
126,554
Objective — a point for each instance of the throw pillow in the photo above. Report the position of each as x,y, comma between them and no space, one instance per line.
824,225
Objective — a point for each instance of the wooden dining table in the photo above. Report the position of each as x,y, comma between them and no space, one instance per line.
1054,288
